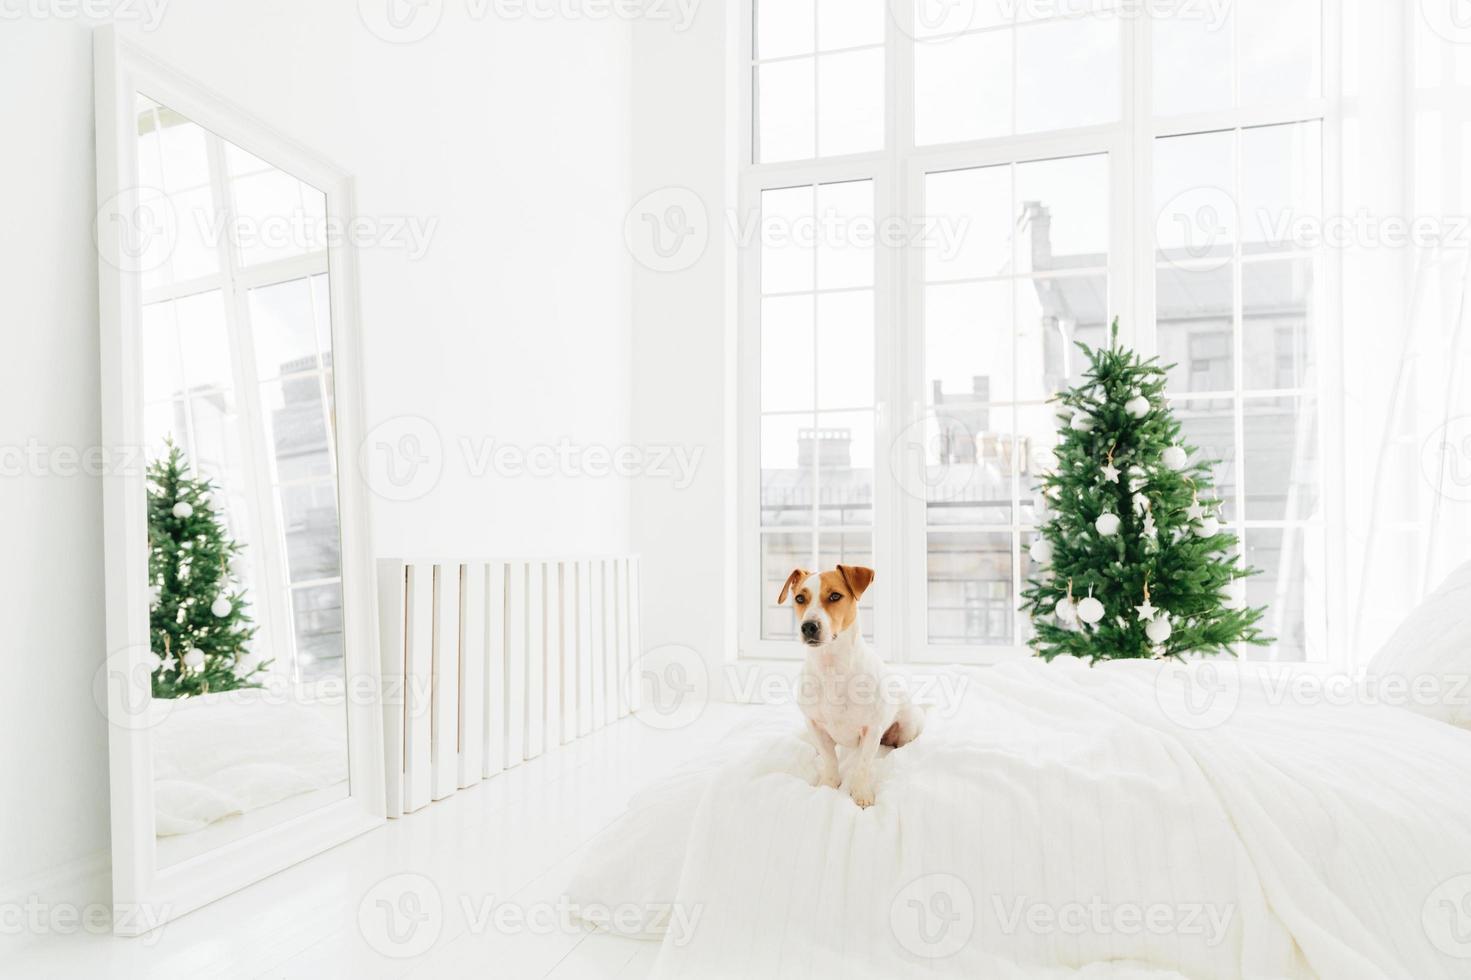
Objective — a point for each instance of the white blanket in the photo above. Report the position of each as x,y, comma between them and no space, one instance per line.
231,753
1071,821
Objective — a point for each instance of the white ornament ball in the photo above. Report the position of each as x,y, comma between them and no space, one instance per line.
183,509
1158,629
1208,527
1175,458
221,607
246,663
155,663
1137,407
194,659
1236,594
1107,524
1090,610
1083,422
1066,611
1041,551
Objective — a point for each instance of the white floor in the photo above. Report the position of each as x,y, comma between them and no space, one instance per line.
515,838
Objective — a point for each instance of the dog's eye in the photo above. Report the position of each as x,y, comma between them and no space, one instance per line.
801,600
835,597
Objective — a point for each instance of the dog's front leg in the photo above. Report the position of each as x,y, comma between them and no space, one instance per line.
860,779
827,756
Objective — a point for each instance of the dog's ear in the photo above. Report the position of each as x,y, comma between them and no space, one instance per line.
857,577
797,575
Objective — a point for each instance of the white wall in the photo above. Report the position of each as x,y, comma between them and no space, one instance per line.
515,325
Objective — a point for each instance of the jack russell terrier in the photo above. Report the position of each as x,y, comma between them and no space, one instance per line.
848,696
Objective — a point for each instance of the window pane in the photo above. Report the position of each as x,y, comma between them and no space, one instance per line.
1036,440
1281,459
787,377
962,88
316,613
787,110
934,19
195,249
182,147
1279,45
1277,324
297,425
215,448
163,376
845,338
845,219
850,90
1052,316
780,554
1208,427
969,460
784,27
842,446
1291,579
786,487
1280,175
1062,213
278,216
1194,197
970,598
974,206
309,519
322,314
283,323
1192,58
787,223
968,330
1067,74
850,23
206,349
1194,317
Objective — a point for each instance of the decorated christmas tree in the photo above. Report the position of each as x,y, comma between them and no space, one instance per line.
1132,560
199,626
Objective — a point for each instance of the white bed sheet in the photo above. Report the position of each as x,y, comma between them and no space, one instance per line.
1068,821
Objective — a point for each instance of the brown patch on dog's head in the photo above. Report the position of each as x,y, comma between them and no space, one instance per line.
839,593
792,582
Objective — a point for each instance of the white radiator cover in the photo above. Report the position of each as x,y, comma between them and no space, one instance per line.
491,662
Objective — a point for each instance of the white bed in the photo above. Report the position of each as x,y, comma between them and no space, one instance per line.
226,763
1070,821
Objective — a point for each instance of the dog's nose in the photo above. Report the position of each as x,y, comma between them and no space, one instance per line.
810,630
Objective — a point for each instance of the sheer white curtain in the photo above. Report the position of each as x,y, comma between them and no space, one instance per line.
1406,275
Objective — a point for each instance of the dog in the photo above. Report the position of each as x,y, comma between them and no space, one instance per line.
847,696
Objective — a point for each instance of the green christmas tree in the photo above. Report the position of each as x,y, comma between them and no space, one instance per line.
199,627
1132,561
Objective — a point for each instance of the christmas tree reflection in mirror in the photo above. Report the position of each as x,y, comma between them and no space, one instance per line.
245,597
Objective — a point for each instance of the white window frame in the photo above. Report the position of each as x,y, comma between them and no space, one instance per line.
897,172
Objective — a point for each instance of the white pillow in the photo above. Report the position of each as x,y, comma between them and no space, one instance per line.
1429,655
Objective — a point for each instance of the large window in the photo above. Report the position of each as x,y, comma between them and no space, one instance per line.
950,197
237,297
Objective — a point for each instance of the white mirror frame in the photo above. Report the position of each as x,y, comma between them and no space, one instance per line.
145,895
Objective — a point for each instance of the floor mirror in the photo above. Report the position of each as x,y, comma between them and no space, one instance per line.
241,678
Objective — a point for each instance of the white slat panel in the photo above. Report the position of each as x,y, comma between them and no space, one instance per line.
536,660
495,668
392,647
610,639
445,720
621,629
472,674
418,763
635,636
553,606
516,574
584,648
599,648
568,571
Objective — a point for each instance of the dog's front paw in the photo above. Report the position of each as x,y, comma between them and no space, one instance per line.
860,787
828,776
